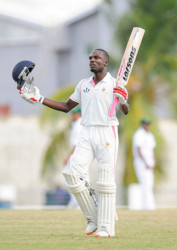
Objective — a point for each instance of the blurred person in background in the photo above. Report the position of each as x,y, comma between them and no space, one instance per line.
60,196
144,163
75,131
74,134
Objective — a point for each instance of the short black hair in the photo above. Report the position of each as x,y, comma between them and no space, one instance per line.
105,53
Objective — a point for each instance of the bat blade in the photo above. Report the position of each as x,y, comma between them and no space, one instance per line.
129,56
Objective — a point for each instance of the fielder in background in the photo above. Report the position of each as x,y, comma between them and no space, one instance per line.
74,135
75,131
98,96
144,163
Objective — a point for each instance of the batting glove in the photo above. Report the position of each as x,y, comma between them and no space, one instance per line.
121,92
31,95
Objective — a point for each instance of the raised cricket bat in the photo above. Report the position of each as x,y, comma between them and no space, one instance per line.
129,56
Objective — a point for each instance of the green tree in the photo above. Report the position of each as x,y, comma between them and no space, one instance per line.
154,69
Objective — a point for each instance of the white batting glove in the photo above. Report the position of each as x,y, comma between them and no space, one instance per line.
121,92
31,94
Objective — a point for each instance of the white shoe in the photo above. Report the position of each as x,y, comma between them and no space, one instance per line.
102,234
91,228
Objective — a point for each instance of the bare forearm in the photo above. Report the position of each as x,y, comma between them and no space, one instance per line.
59,105
124,108
142,157
140,154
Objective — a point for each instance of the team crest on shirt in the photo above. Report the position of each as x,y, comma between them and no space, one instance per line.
107,145
104,90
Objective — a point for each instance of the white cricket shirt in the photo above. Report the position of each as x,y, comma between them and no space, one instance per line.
146,141
97,101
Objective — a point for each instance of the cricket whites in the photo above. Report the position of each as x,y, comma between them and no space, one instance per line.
129,56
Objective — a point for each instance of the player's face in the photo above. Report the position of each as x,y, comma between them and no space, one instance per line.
97,61
146,127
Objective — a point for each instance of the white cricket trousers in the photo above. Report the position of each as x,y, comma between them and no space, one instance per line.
146,179
100,142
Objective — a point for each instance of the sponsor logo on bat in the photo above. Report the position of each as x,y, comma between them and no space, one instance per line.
129,63
122,69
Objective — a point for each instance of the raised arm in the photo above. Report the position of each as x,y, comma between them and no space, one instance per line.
29,92
58,105
33,96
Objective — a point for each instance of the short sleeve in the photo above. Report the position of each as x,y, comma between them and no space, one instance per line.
76,96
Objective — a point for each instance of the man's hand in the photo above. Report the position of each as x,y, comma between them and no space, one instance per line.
124,108
31,95
121,92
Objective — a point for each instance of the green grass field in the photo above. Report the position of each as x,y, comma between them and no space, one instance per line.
65,229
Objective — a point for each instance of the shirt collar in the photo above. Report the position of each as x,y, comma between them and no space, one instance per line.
105,79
